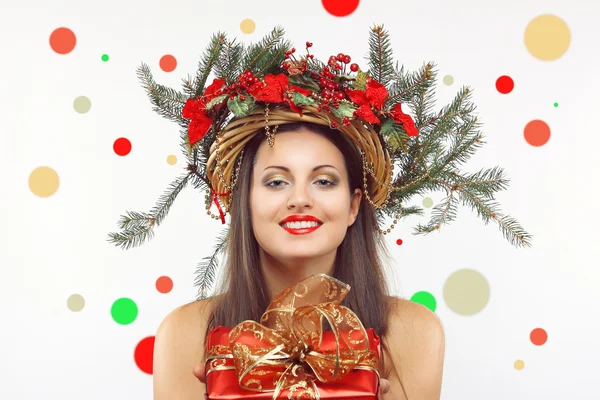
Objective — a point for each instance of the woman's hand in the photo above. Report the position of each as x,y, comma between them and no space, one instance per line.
200,373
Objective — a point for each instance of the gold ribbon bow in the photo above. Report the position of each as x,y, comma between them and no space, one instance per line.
290,338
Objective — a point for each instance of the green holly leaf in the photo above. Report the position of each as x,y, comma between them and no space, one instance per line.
304,82
344,110
215,101
241,108
361,80
395,136
302,100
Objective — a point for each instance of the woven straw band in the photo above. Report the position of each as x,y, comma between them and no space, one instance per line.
233,138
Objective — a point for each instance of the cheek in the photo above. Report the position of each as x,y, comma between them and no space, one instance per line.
265,205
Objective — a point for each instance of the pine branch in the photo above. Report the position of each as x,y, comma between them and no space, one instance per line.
406,87
207,267
188,87
381,66
488,210
229,62
209,58
137,227
167,102
259,56
136,234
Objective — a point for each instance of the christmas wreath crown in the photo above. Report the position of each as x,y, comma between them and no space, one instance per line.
258,87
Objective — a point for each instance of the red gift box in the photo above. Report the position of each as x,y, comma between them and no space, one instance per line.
362,383
289,354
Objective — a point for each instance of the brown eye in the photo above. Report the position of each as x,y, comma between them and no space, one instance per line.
327,182
270,184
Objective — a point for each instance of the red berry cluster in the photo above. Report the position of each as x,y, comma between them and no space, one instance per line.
341,58
332,92
243,84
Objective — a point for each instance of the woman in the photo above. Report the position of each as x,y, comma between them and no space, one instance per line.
314,171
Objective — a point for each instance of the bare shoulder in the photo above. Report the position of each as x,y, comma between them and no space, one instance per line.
416,343
178,347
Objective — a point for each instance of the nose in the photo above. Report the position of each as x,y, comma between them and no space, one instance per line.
299,198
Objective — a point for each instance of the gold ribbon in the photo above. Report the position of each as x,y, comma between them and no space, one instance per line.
290,338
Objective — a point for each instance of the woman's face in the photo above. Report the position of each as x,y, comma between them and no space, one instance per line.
290,180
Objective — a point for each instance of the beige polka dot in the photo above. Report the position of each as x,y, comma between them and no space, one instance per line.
448,80
171,160
547,37
519,365
427,202
466,292
43,181
247,26
82,104
76,302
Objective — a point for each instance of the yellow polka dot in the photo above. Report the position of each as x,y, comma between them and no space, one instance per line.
171,160
43,181
247,25
519,365
547,37
448,80
427,202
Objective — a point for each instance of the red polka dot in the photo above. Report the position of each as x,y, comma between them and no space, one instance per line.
144,354
537,132
122,146
340,8
164,284
399,242
505,84
538,336
168,63
62,40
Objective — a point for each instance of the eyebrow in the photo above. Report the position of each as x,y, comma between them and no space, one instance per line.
288,170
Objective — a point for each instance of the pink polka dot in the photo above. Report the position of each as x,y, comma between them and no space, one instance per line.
537,132
168,63
164,284
538,336
62,40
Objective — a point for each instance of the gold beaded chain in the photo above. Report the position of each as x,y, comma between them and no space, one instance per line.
219,171
270,135
387,198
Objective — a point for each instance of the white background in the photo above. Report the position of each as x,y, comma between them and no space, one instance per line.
53,247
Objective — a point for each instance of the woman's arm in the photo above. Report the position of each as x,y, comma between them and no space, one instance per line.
177,349
417,344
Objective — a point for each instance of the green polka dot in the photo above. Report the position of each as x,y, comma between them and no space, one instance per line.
82,104
448,80
426,299
104,57
555,104
124,311
427,202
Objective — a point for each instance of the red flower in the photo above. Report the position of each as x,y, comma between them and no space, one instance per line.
276,90
406,120
374,96
195,110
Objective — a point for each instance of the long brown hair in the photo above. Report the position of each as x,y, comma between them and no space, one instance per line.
358,259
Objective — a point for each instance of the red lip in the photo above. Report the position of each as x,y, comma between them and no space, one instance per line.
300,217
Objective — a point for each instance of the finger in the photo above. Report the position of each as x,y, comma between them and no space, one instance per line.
199,372
384,386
